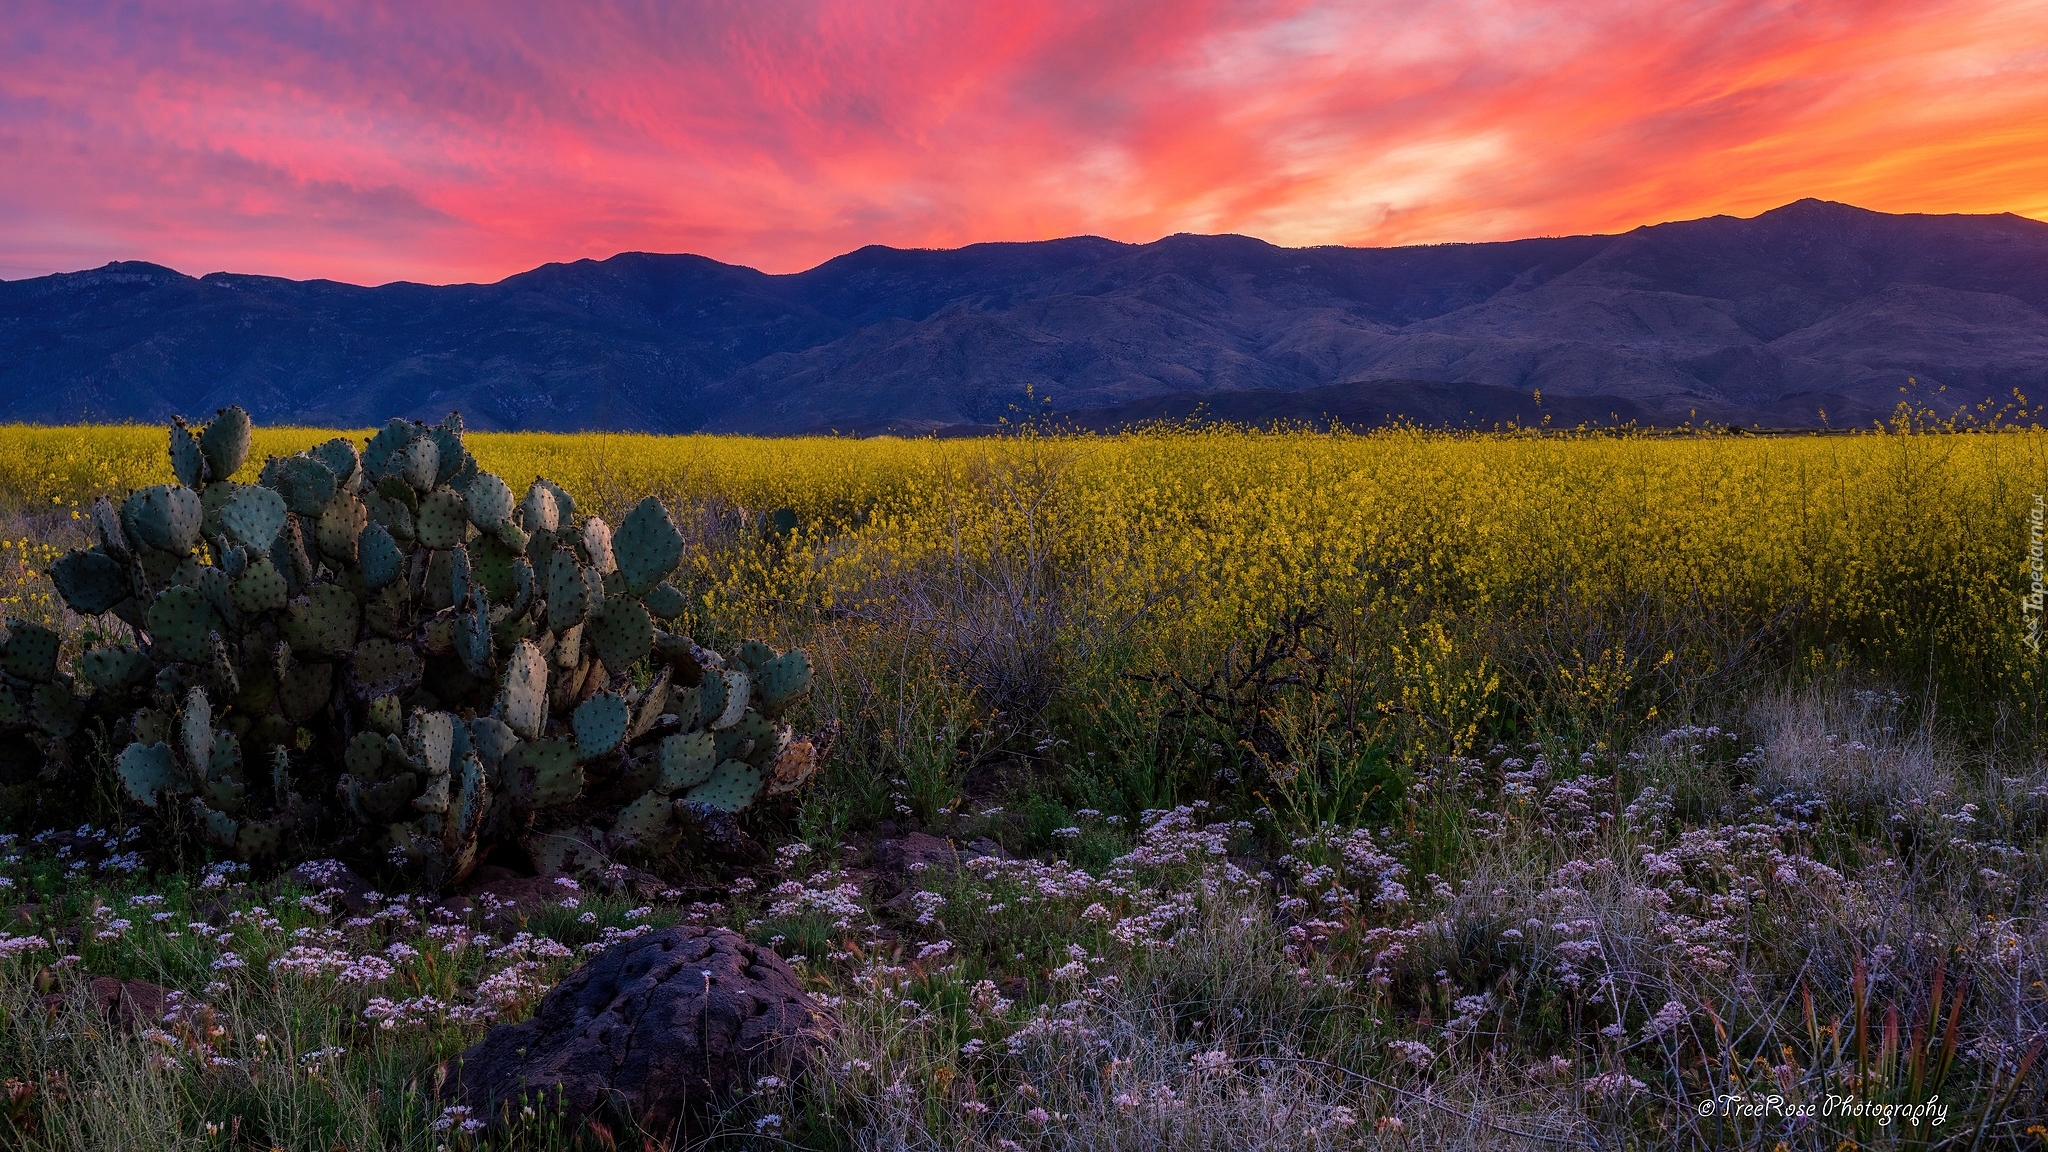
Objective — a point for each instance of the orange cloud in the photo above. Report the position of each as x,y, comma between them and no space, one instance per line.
466,141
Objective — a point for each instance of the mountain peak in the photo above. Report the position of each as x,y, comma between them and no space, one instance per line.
1811,305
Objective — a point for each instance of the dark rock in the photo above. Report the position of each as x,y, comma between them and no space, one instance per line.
716,833
131,1005
918,853
658,1028
915,862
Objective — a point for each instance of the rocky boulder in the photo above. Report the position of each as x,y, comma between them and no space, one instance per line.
130,1005
658,1028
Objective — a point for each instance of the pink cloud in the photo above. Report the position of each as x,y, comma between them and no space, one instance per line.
468,141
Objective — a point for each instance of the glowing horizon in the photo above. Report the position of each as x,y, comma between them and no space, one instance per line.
466,143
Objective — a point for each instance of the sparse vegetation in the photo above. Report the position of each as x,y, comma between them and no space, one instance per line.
1300,791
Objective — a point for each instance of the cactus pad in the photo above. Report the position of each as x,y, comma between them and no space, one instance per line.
686,761
342,459
217,827
753,655
55,710
490,502
108,531
524,584
665,601
710,695
147,771
597,544
447,437
738,686
262,839
114,668
188,464
565,504
225,442
383,668
783,681
382,456
323,621
757,737
259,588
224,757
382,803
253,517
377,557
537,513
213,499
600,724
492,739
524,704
644,824
397,516
490,566
651,705
731,788
565,852
730,744
364,758
179,622
463,477
793,768
543,774
420,464
213,584
473,643
386,714
647,546
195,731
340,527
458,576
305,483
304,690
90,581
444,518
680,654
623,633
432,736
512,536
164,517
226,793
567,593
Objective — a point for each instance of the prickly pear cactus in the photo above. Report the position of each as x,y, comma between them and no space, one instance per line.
382,652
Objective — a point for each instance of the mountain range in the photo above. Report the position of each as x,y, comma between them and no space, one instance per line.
1814,313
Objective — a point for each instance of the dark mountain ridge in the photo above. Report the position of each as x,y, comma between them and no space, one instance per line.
1807,309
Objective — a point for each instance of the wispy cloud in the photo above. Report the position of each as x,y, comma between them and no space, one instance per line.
470,140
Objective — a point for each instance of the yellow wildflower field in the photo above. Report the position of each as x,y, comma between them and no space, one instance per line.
1902,553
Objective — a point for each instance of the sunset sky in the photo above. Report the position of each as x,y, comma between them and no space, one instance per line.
467,141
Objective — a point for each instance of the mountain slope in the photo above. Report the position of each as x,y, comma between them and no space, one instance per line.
1810,307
